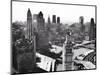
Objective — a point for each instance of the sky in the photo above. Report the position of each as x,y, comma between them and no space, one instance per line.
67,13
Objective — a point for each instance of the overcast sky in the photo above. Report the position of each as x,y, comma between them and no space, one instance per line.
67,13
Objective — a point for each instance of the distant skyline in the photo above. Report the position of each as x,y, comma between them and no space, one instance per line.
67,13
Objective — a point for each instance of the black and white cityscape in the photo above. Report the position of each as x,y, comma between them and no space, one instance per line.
46,44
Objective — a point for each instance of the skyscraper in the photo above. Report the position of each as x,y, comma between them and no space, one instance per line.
58,20
54,19
42,34
35,22
92,32
31,37
29,25
41,22
81,21
49,20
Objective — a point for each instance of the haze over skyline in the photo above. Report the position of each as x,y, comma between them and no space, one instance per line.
67,13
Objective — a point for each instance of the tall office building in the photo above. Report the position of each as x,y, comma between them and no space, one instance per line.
81,21
58,20
29,25
41,22
42,34
35,22
49,20
92,31
54,19
31,37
